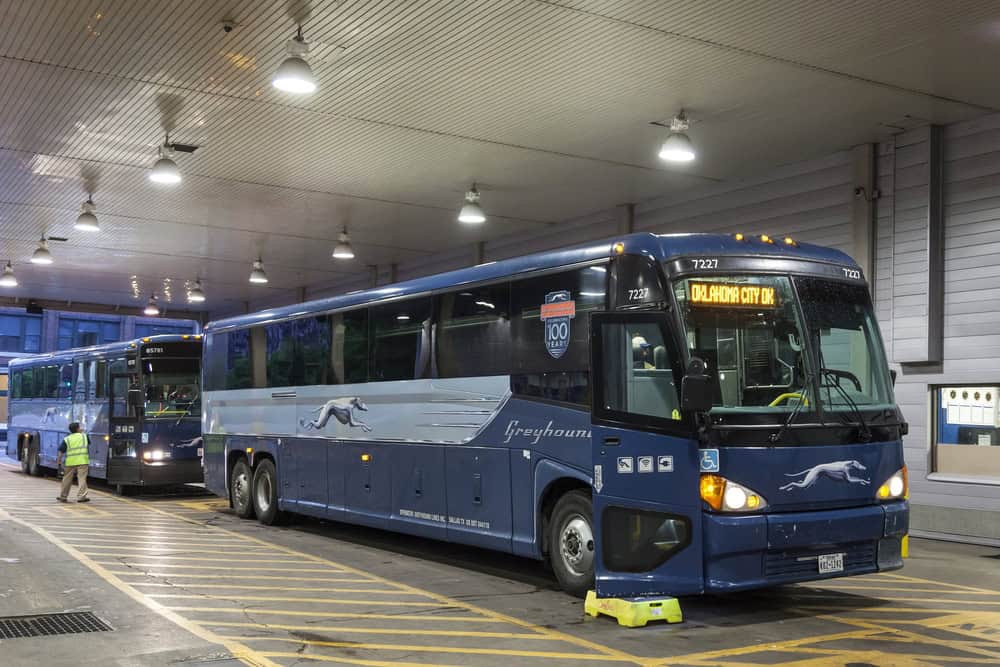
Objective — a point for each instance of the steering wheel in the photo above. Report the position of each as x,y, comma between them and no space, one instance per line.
837,373
784,397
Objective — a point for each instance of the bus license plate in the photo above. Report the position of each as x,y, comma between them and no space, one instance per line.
829,563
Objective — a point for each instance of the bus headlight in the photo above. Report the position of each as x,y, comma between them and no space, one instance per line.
724,495
895,487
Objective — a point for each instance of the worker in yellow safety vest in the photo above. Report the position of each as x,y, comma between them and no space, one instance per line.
75,447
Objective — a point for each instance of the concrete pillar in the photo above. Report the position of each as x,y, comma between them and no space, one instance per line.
863,180
626,218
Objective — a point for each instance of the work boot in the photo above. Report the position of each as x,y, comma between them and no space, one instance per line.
61,499
83,500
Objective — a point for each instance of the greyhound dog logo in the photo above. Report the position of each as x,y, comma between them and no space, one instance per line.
50,415
838,470
193,442
343,410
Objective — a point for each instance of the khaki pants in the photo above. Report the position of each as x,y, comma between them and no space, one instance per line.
67,481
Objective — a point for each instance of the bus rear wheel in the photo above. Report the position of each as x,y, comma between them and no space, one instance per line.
265,493
29,461
572,550
239,487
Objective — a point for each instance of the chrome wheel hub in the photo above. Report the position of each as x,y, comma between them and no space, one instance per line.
576,545
240,493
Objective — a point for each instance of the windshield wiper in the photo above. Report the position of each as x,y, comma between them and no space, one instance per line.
863,430
803,399
190,407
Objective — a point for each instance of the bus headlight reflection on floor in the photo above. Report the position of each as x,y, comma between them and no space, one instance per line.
727,496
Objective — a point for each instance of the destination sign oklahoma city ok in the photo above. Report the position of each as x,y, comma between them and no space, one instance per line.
723,294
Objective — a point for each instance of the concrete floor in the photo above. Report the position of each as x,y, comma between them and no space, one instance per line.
183,581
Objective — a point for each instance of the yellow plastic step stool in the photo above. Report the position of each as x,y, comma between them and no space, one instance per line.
634,612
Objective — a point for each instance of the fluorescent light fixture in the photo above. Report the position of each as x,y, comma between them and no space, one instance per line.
343,249
87,221
472,212
485,304
196,294
678,147
151,308
42,254
257,275
7,278
402,317
294,74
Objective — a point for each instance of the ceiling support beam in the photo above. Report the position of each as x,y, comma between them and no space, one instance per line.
100,308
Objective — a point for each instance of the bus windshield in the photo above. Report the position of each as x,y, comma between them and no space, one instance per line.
171,388
757,343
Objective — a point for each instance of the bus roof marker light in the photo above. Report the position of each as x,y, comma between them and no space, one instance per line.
790,241
678,146
42,254
87,221
151,309
472,213
739,236
7,279
343,249
258,276
766,239
619,248
294,74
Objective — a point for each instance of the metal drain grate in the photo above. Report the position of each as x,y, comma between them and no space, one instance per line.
12,627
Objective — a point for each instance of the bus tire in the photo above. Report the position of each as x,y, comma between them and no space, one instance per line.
30,464
240,482
572,550
265,493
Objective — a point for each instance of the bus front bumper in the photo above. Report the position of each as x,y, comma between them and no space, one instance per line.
744,552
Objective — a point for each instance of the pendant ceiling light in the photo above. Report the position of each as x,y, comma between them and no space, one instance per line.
87,221
294,74
7,278
165,171
151,308
678,147
196,294
257,275
472,212
42,254
343,249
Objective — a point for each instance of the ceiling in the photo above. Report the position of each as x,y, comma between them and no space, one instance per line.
547,104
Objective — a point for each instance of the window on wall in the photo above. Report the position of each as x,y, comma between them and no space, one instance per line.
966,436
77,332
20,333
143,329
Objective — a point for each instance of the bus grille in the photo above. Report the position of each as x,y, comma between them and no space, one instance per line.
859,556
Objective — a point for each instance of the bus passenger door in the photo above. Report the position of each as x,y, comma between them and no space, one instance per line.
646,502
123,430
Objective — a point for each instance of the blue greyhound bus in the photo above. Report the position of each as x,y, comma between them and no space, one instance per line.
138,401
670,414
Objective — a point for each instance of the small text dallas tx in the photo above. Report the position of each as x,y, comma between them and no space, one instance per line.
515,431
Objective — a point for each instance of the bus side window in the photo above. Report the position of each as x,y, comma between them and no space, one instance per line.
399,340
100,386
65,388
349,347
27,383
15,385
473,332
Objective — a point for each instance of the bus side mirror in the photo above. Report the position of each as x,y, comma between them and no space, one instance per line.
892,376
696,388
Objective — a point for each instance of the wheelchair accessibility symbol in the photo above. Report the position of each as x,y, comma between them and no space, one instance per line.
709,460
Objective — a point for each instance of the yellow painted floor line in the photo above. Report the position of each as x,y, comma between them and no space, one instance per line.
939,583
899,589
218,567
382,631
174,576
78,537
264,598
419,648
337,614
571,639
850,604
315,589
352,661
239,650
235,561
110,550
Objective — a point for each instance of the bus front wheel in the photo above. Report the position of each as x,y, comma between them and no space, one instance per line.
265,493
29,461
571,543
239,487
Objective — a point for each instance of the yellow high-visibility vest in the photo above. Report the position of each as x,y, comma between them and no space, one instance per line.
76,450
